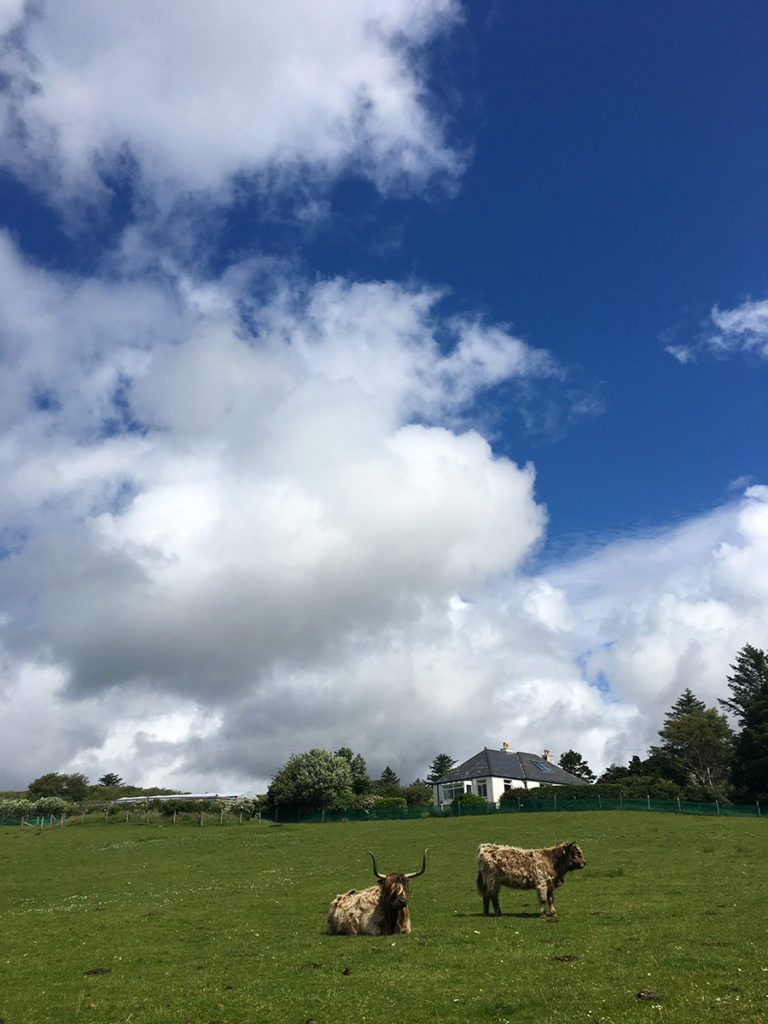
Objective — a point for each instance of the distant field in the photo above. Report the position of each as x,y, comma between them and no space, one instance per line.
147,924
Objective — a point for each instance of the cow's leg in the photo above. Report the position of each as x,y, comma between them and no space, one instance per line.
486,903
551,902
541,892
495,900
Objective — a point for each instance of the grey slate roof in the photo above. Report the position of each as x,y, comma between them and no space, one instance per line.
510,764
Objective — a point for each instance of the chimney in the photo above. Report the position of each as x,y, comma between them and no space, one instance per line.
505,746
548,757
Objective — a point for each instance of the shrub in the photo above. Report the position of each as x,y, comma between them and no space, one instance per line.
44,807
631,787
169,807
247,806
51,805
418,794
608,789
391,801
16,808
467,800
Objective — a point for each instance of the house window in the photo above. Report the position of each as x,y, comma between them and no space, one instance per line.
507,785
451,790
482,788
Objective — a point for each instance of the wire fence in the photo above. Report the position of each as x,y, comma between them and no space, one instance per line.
523,805
519,805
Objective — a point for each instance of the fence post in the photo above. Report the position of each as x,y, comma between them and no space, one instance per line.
221,817
678,805
174,816
758,809
599,802
62,821
648,800
717,805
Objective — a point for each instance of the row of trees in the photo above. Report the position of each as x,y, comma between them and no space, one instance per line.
699,751
73,788
319,779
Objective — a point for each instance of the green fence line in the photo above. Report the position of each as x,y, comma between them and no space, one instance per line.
527,804
516,806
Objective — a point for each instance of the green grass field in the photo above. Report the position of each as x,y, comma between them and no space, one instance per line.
150,924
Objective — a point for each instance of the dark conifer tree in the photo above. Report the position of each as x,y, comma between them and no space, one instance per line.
748,704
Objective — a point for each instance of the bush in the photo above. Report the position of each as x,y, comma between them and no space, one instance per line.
16,808
50,805
47,806
391,801
631,787
467,800
418,794
247,806
574,792
706,794
170,807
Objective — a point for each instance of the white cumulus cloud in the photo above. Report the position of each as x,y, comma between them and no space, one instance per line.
189,94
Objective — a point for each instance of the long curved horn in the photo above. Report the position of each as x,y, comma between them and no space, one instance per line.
375,869
415,874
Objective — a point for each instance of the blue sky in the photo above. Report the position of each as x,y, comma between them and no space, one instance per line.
422,346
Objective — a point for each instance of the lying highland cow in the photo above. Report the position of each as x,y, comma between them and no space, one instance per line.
542,870
380,910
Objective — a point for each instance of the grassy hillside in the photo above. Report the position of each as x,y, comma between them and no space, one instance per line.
128,922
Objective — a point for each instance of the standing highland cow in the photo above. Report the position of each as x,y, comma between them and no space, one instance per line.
542,870
380,910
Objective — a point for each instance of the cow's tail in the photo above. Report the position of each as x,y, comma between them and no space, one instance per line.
480,884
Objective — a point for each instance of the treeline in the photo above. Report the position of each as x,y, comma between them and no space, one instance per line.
58,793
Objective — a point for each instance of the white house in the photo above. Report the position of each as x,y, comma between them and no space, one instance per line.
492,772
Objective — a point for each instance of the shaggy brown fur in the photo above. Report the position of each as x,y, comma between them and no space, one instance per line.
380,910
542,870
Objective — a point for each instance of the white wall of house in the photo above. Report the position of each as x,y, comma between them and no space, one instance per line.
498,787
492,788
